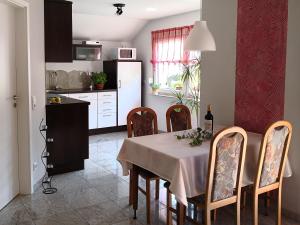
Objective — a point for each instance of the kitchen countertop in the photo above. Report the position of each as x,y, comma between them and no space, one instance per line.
74,91
66,101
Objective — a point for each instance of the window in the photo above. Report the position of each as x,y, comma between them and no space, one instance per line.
169,57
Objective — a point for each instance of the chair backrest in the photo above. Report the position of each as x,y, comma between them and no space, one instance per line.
226,166
178,118
141,121
273,154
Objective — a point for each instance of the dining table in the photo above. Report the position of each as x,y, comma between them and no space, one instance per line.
179,163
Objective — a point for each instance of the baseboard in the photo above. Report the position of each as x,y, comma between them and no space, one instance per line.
291,215
38,184
107,130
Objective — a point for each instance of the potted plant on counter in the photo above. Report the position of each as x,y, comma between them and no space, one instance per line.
99,79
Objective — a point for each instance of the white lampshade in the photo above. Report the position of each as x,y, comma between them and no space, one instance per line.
200,38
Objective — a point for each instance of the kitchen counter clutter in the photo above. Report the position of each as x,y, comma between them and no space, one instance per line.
67,135
64,101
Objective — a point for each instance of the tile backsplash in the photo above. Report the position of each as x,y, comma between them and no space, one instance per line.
67,80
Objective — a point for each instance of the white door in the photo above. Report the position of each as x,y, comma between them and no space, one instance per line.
129,89
9,181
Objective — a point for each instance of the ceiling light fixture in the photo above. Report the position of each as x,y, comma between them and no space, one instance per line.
119,7
200,38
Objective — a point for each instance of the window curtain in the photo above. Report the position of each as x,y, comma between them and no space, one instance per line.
167,47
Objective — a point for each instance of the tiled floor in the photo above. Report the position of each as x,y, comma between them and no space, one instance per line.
99,196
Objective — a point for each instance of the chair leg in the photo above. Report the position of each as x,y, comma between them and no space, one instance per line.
238,213
157,189
148,199
130,187
169,205
207,219
255,209
279,206
181,213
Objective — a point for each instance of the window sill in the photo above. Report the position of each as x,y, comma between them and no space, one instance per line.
161,94
167,94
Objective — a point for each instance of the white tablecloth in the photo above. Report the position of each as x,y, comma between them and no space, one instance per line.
184,166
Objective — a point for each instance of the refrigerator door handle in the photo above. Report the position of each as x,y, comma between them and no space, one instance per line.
120,84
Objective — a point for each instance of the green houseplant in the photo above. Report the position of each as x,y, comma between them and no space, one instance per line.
155,87
191,77
99,79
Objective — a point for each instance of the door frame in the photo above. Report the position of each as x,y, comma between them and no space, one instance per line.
24,131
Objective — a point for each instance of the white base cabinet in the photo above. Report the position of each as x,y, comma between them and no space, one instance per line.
102,108
107,109
93,107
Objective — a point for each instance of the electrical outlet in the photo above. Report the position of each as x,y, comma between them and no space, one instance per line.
35,165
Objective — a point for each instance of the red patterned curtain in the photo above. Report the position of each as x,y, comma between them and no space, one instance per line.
167,46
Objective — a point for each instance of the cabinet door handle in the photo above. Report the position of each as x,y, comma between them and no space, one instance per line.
106,115
107,110
107,102
120,84
50,140
83,96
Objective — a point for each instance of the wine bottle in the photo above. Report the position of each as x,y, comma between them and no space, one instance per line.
209,120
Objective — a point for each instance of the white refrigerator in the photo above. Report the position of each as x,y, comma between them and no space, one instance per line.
129,81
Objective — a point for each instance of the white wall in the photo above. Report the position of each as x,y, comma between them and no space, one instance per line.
89,66
144,50
291,199
218,68
37,57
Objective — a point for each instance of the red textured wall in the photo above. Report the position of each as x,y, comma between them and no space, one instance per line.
261,61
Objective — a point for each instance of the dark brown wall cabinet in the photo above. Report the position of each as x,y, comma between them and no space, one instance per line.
58,31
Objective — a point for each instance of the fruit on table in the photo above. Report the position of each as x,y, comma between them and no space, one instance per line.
55,100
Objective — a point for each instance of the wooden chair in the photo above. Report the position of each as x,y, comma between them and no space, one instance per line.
225,172
272,158
178,118
140,122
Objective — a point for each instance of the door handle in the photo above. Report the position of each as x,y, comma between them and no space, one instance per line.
120,84
15,97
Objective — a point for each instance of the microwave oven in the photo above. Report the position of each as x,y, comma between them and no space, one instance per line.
87,50
125,53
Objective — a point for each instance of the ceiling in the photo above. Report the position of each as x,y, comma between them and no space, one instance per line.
105,28
138,9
